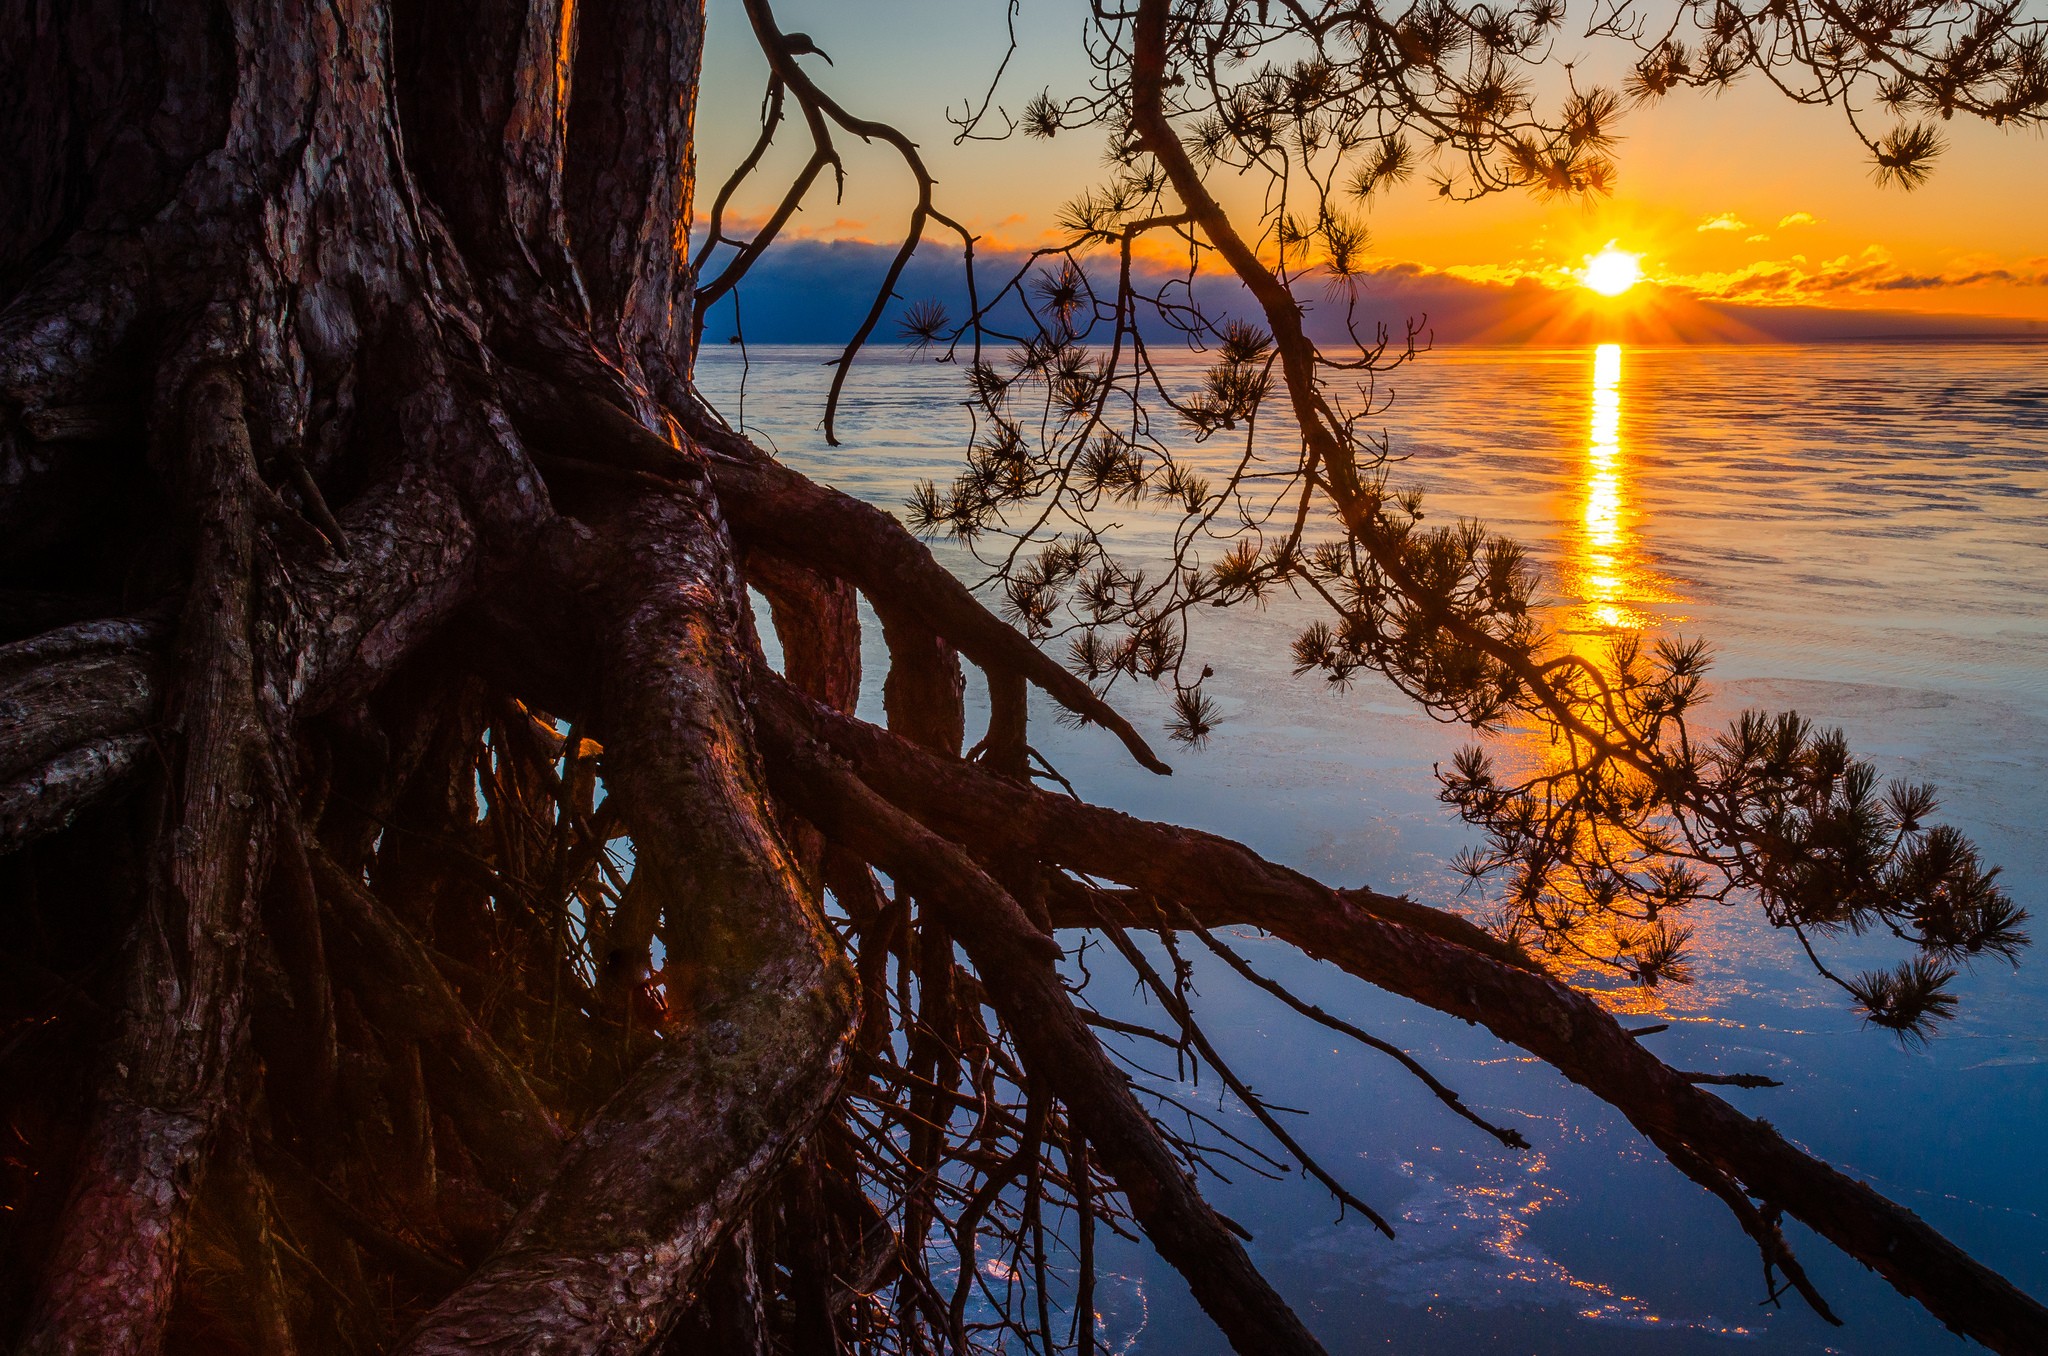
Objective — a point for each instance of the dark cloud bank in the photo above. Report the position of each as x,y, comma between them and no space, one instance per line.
818,292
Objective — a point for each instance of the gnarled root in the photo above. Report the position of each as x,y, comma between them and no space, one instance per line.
1015,962
609,1251
112,1272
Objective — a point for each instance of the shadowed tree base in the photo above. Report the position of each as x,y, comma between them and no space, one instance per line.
429,924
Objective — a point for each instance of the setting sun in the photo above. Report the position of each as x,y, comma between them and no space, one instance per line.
1612,272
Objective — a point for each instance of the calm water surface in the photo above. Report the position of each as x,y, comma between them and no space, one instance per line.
1859,531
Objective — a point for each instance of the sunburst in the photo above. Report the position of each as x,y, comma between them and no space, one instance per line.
1612,271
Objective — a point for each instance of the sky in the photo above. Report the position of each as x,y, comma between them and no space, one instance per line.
1755,218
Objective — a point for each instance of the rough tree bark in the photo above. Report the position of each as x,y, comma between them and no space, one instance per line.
413,882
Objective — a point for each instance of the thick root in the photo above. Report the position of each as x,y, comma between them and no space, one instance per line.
610,1251
110,1280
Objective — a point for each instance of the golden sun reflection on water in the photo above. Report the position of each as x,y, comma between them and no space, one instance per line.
1605,568
1611,590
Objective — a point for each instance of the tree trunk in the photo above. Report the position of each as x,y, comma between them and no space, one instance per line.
418,933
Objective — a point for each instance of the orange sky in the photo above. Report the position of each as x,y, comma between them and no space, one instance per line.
1744,198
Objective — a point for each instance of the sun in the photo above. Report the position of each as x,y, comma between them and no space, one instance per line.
1612,272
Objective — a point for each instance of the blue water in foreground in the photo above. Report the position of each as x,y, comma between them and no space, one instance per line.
1860,533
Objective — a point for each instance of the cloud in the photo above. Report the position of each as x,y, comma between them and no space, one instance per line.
1798,281
842,230
1727,221
1755,238
815,291
1503,275
1983,277
1798,219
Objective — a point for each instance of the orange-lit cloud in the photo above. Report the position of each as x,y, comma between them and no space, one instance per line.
1798,219
1501,275
1798,281
998,238
1727,221
1791,281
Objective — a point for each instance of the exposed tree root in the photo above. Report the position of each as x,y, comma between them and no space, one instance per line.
606,1253
115,1262
1015,961
430,926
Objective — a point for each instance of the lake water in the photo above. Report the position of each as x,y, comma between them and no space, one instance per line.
1860,533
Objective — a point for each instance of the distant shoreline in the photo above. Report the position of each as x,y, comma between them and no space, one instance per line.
1908,340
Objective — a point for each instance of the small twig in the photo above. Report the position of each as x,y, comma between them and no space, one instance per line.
1740,1080
1182,1014
1513,1139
